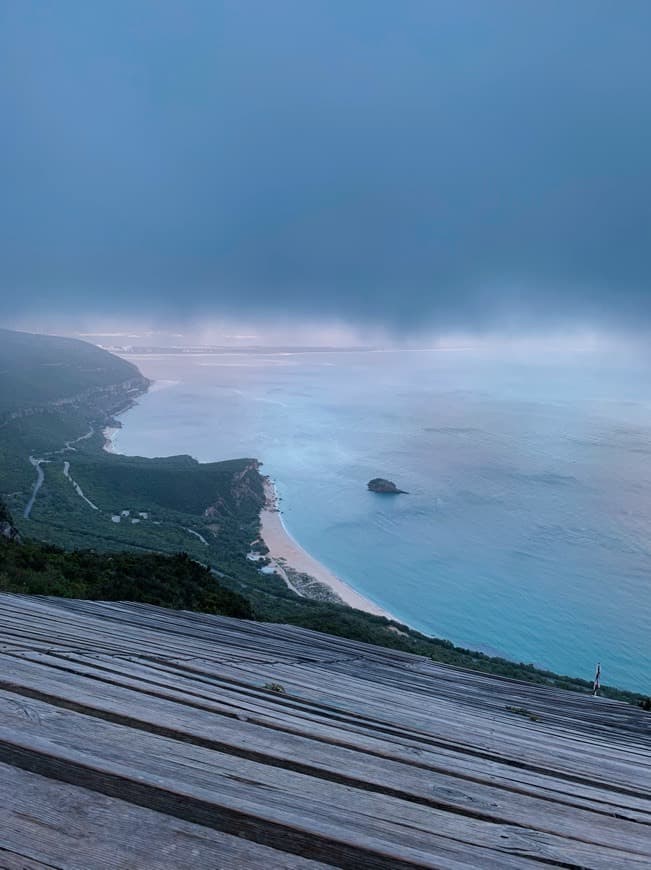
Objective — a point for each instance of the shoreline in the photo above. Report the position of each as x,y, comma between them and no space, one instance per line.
113,425
286,554
285,550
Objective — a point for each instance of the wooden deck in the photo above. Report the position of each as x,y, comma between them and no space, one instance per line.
136,737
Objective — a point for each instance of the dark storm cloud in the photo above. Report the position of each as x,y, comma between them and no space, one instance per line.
395,162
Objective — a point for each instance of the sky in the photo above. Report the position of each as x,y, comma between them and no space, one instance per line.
454,166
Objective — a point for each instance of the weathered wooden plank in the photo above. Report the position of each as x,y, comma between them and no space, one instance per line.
45,823
281,707
505,740
324,817
373,757
355,767
10,860
222,634
527,741
113,624
250,713
326,838
525,783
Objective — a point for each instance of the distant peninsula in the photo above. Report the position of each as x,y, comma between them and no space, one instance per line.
386,487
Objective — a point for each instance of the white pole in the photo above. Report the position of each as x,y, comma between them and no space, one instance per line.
597,677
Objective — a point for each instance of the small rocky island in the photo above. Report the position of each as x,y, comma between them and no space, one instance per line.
386,487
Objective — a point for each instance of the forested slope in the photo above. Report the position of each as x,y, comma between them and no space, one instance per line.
37,370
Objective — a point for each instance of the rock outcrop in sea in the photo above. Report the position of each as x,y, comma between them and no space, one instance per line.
386,487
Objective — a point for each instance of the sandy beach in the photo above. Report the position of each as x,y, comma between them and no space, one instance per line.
286,550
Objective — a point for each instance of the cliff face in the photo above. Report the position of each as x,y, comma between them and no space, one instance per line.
243,495
8,531
111,399
101,402
248,489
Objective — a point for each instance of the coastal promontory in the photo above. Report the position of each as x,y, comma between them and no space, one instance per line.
386,487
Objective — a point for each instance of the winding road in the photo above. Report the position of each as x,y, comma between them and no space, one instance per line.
40,476
77,488
37,462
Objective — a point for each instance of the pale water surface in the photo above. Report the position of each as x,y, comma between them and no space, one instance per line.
527,528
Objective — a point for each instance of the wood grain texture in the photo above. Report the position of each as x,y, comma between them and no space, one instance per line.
137,737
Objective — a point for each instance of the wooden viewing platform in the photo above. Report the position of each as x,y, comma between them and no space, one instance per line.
137,737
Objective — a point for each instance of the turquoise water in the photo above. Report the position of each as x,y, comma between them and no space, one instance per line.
527,528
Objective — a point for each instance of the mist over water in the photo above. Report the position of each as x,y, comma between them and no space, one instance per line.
526,531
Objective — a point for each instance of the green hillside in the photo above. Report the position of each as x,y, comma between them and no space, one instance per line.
174,581
40,369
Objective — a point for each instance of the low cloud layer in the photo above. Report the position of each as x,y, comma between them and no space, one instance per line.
398,164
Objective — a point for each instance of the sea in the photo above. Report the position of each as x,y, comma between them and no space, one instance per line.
526,530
